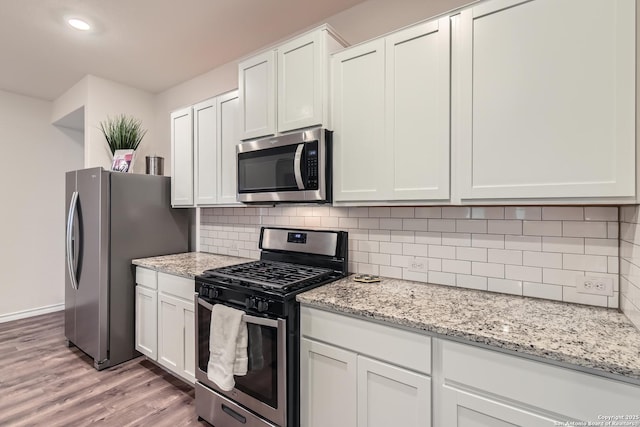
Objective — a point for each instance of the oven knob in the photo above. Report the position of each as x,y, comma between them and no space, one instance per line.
262,306
214,293
250,303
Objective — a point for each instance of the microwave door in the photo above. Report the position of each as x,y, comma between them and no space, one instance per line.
297,166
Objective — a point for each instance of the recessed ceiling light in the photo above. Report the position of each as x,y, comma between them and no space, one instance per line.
79,24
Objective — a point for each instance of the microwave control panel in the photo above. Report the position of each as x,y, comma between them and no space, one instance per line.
312,165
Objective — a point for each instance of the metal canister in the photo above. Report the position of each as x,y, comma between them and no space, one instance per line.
154,165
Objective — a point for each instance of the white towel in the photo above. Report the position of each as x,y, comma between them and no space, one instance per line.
227,346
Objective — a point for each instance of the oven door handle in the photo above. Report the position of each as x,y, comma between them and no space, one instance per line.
272,323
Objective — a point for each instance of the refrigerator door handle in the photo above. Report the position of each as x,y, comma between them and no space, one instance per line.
69,245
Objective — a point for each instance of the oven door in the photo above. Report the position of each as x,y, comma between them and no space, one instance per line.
263,389
287,168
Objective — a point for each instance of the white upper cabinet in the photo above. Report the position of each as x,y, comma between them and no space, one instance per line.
358,118
547,99
211,144
227,106
182,157
391,117
206,151
286,88
256,83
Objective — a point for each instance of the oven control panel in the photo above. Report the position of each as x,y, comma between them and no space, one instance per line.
240,299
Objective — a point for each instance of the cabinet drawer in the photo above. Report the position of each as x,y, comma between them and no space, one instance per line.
147,278
555,389
397,346
175,285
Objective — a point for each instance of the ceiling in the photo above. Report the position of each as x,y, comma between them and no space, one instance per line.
149,44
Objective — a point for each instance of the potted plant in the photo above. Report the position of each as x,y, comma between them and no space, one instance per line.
123,134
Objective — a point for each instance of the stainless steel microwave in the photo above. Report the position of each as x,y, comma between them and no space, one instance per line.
290,168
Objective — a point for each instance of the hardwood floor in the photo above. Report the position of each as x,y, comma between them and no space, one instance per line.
45,383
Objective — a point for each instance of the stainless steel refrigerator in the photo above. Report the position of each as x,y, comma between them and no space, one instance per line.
112,218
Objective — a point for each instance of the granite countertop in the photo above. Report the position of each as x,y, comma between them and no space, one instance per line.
598,340
189,264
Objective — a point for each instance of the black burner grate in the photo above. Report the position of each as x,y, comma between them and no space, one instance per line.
272,274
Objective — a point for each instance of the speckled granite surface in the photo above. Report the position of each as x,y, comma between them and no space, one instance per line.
188,264
602,341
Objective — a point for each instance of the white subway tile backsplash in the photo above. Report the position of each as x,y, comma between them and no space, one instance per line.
503,256
584,229
542,259
492,212
454,266
428,212
436,251
495,241
461,212
391,248
525,250
416,224
524,273
596,263
505,286
523,212
568,245
440,278
601,213
443,225
415,249
601,247
563,213
456,239
487,269
541,290
472,254
471,282
471,226
542,228
505,226
524,243
403,236
429,238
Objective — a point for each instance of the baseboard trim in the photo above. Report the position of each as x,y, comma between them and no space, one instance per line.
31,312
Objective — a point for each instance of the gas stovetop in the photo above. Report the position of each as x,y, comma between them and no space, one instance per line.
269,274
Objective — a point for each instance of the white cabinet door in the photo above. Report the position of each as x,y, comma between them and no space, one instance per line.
257,92
300,77
228,138
147,322
464,409
170,332
548,99
417,121
182,158
176,335
360,164
392,396
327,385
206,151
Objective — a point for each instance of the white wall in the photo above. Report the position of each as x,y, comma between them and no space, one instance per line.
109,99
35,156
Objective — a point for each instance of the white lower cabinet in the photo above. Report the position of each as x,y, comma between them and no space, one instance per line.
165,322
485,388
349,376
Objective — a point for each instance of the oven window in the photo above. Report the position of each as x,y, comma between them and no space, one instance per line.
261,380
267,170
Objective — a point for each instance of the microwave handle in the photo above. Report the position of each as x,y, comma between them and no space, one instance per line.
297,167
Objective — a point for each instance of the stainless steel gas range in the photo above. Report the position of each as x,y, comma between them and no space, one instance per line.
291,261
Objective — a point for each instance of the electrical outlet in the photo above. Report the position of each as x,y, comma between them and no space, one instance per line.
595,285
234,245
418,265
